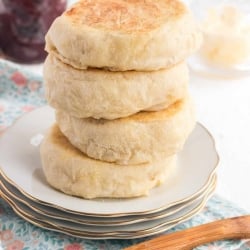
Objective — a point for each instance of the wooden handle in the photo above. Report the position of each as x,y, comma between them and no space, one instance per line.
232,228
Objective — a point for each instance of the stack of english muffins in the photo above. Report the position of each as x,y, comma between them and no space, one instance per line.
117,78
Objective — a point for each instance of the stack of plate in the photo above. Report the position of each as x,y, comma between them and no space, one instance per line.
23,186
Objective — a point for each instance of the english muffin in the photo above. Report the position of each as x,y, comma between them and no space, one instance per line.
124,35
140,138
109,95
72,172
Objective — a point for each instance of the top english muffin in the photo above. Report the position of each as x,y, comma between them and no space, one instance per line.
122,35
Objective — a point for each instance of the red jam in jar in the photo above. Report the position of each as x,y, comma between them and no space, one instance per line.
23,25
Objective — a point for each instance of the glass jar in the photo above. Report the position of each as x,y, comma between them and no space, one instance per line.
225,25
23,25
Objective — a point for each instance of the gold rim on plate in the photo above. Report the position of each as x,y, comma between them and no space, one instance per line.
149,212
142,233
114,235
86,220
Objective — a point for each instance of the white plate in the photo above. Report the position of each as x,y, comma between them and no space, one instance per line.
134,230
20,164
54,213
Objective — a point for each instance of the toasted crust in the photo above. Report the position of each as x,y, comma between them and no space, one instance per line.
72,172
125,16
143,137
124,35
110,95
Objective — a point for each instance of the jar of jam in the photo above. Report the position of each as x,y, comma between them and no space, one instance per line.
23,25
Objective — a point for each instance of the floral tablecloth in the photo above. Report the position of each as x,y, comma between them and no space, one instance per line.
22,91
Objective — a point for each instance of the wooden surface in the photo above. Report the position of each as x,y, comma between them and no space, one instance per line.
232,228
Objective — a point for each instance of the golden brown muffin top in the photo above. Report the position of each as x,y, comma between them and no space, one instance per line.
125,15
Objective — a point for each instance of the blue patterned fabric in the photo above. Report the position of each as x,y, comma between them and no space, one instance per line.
17,234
